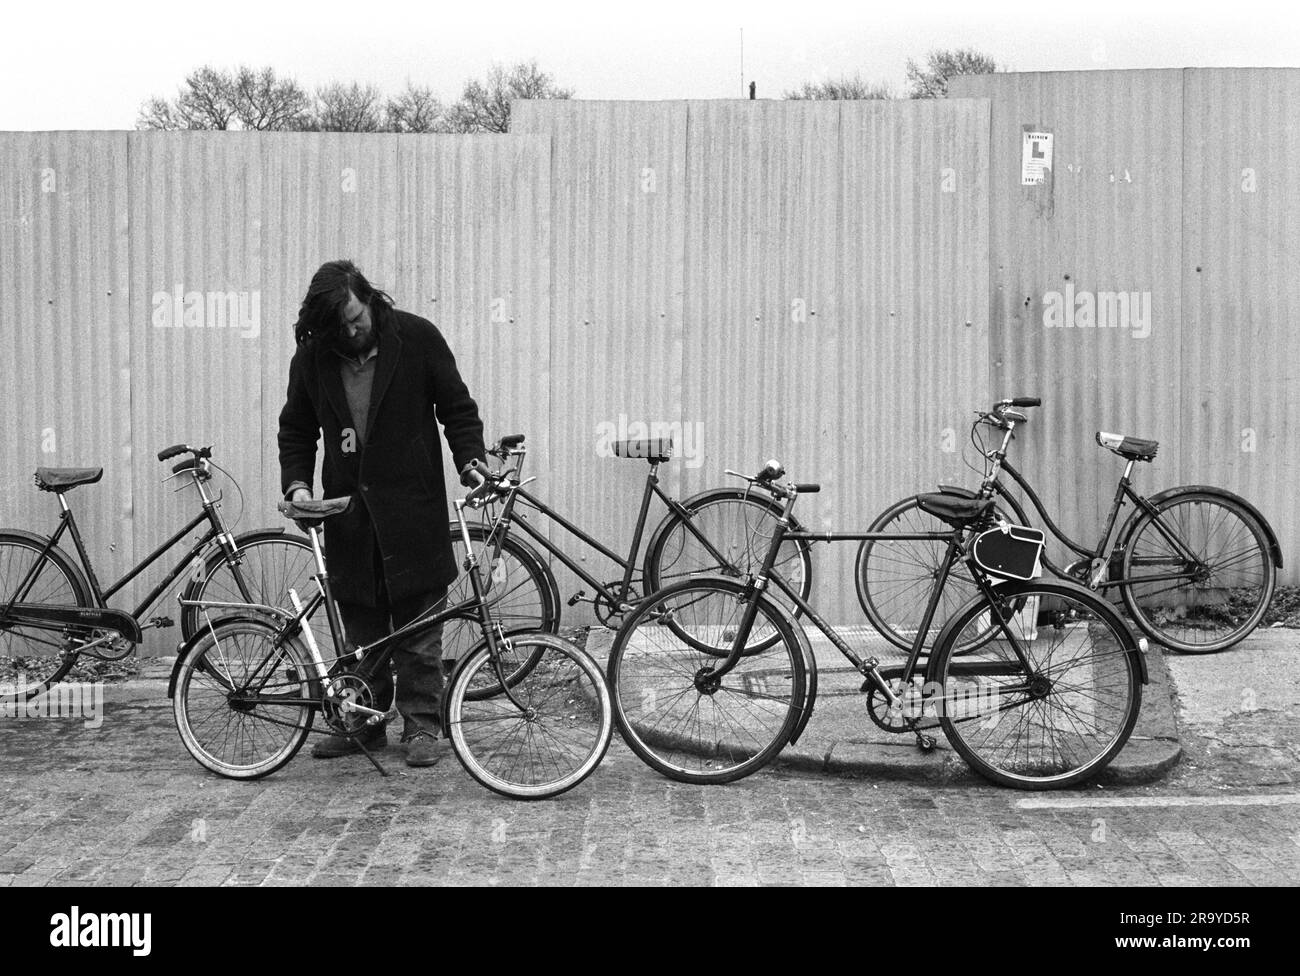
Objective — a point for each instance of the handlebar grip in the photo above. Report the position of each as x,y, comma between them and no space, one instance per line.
172,451
807,488
186,465
473,466
509,441
1027,402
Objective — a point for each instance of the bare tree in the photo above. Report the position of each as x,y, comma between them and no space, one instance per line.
941,67
485,105
842,87
245,99
414,110
349,108
269,103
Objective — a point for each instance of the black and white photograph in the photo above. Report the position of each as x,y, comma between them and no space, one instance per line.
672,445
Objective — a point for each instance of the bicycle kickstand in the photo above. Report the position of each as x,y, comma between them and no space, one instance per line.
373,760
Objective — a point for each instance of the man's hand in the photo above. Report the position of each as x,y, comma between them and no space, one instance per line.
471,476
300,495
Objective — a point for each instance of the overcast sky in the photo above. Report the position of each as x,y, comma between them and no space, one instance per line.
83,66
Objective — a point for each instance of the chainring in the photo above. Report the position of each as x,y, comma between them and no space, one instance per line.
895,720
114,649
608,614
348,688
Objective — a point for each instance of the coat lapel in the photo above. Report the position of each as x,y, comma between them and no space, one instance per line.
390,351
327,368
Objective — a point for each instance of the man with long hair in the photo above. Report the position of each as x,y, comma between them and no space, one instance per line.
374,382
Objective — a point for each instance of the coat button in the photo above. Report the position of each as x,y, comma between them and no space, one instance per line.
365,487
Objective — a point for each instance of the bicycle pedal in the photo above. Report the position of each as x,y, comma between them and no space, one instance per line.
161,622
577,597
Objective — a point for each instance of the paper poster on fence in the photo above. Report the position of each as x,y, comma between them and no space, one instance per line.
1035,158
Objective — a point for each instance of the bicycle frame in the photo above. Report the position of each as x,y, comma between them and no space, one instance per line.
376,654
68,523
870,667
1105,553
620,596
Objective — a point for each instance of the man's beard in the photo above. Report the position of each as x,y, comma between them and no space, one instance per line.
357,346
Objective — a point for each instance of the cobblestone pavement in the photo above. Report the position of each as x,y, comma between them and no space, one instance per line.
125,804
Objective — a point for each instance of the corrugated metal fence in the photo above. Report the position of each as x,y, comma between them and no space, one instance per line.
1178,187
834,283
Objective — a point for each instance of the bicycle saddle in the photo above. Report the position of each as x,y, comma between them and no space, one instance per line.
653,449
61,479
1133,448
952,509
313,512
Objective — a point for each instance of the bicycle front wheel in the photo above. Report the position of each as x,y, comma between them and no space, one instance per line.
269,564
1061,719
1211,573
543,737
674,711
244,703
33,658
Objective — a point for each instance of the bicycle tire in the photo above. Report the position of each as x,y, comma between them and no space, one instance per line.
38,657
1071,717
1236,593
894,577
673,725
218,732
526,598
270,563
542,753
739,525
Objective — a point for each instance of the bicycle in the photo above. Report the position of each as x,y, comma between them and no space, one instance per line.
1036,683
719,530
1195,566
528,714
53,610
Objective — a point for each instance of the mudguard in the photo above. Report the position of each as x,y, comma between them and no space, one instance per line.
58,556
187,646
1275,550
931,672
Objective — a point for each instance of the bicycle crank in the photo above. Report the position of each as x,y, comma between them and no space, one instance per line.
908,715
350,705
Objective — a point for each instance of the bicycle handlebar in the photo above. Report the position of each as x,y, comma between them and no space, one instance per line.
487,482
506,446
168,453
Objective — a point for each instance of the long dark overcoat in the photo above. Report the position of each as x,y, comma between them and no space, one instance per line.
396,478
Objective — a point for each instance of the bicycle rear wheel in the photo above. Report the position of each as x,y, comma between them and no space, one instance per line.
680,719
559,737
1217,600
33,658
739,527
270,563
895,577
1065,718
225,698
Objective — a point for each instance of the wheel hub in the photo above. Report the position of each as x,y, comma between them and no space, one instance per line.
706,682
1040,686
